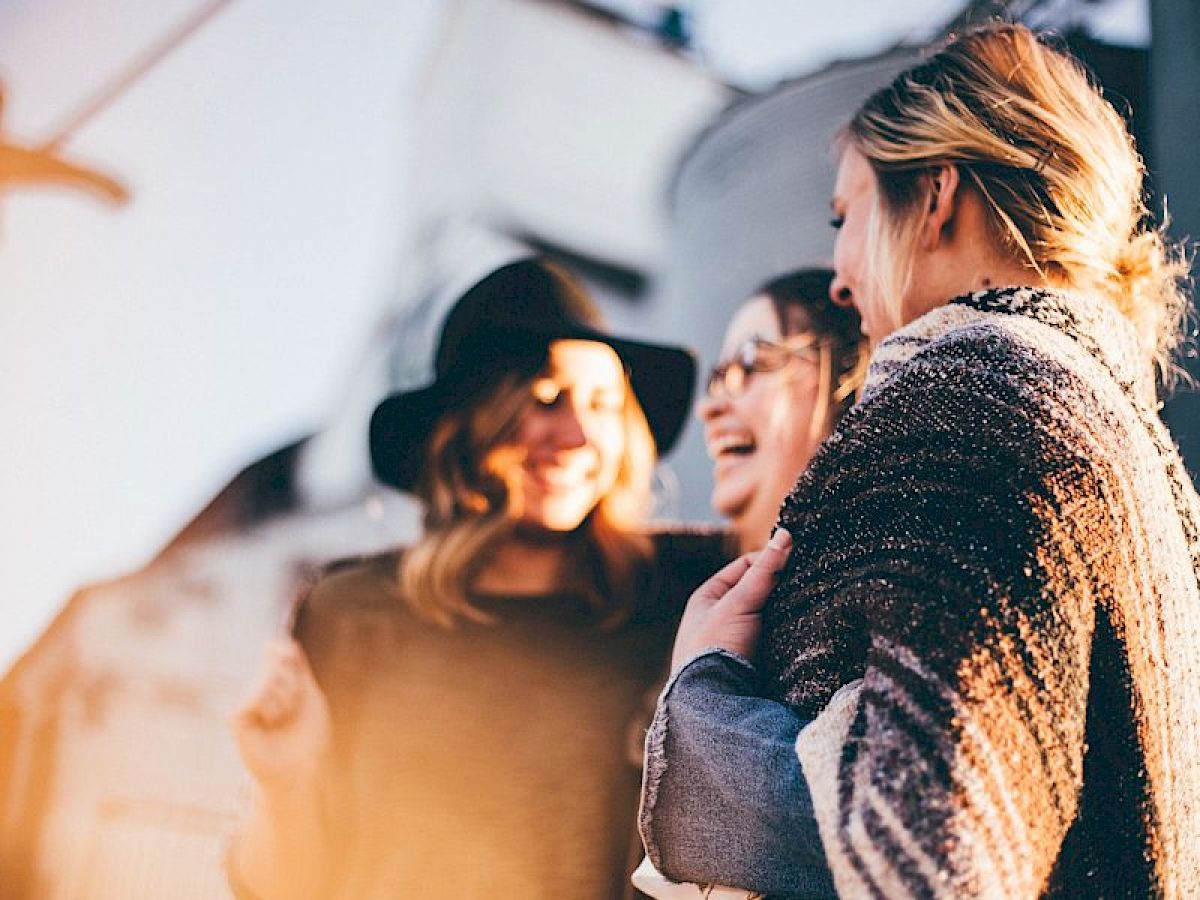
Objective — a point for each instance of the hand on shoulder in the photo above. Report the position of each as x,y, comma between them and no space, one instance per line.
283,726
726,611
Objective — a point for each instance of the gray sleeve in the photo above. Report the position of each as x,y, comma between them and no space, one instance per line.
723,798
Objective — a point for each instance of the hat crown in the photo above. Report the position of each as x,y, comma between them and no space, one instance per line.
527,297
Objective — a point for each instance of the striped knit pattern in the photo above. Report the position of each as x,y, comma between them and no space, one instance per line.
1002,542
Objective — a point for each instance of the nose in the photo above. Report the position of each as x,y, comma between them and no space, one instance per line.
712,405
568,431
840,293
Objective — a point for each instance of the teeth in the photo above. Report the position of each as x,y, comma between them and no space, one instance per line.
560,478
730,443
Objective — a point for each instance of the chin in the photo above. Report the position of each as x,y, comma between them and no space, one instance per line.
559,517
728,507
563,525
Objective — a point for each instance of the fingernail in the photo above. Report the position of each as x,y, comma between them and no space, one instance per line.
780,538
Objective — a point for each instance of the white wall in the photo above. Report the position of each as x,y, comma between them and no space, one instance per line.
147,353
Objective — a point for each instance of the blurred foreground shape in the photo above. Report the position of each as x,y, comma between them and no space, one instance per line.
119,778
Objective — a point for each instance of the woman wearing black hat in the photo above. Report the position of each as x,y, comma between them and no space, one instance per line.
452,719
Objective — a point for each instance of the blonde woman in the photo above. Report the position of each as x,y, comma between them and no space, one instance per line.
451,718
984,625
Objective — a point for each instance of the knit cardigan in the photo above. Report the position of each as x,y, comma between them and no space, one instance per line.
1001,542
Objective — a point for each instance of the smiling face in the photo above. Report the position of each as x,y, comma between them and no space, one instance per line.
569,443
763,438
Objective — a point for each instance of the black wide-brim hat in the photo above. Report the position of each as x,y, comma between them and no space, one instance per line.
506,323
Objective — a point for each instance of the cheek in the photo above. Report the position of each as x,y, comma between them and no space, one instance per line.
531,430
754,407
608,439
788,426
839,253
853,260
843,254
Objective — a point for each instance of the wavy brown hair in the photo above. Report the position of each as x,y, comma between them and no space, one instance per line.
469,513
1052,159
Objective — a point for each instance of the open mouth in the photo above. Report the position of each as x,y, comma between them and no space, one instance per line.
731,445
553,478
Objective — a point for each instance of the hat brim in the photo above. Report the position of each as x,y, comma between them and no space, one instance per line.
663,379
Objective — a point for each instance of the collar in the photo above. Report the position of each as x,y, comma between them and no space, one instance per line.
1096,326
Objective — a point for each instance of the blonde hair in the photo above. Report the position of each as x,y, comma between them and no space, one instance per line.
1052,160
469,513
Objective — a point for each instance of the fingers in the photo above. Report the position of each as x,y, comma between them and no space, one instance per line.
725,611
718,585
775,553
281,688
758,580
759,568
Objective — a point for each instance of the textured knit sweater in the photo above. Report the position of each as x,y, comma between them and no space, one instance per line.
1001,542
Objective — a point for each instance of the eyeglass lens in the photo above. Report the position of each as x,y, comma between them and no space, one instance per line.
755,355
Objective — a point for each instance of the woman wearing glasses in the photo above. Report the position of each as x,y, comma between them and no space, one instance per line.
790,361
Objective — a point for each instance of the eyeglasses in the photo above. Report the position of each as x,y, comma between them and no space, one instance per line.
757,355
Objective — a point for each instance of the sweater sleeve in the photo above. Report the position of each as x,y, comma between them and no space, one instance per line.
723,798
942,542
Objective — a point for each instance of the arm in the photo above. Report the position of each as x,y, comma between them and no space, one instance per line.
283,734
726,802
723,798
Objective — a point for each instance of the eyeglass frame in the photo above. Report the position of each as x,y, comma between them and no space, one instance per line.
747,360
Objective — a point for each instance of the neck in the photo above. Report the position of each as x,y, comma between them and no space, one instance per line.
978,278
754,526
968,256
1003,273
525,564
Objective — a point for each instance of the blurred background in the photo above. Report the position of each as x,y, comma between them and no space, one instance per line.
227,228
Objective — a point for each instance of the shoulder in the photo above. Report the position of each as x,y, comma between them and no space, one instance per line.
347,590
701,547
980,436
355,580
684,557
350,620
1031,350
975,419
992,390
972,421
975,351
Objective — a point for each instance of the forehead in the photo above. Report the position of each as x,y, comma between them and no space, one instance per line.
580,362
755,318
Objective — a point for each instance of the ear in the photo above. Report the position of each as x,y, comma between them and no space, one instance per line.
943,204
